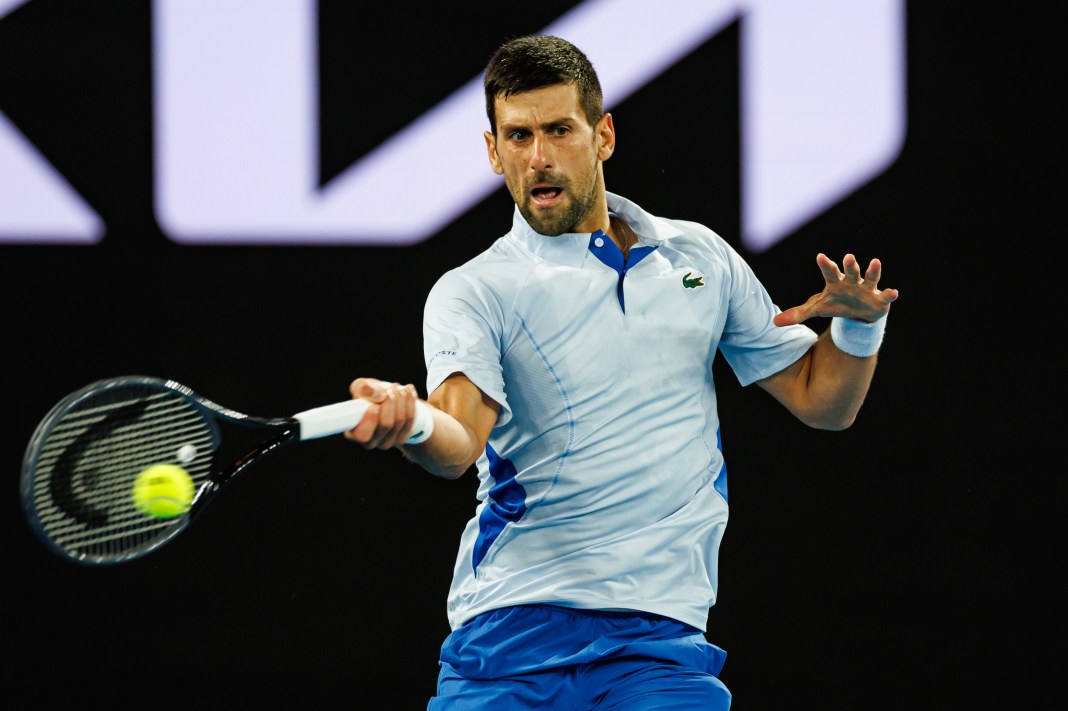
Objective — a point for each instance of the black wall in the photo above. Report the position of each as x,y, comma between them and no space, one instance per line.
894,565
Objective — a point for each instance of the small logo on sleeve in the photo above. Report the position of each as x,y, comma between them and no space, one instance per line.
692,282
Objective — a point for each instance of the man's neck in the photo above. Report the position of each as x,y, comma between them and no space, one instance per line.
621,234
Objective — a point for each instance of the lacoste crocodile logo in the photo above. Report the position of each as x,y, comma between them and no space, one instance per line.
689,283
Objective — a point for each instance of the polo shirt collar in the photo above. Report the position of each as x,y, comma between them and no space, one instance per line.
571,248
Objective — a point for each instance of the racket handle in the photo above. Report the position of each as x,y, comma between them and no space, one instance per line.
343,416
331,419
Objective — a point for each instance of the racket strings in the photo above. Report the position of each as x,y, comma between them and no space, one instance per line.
89,459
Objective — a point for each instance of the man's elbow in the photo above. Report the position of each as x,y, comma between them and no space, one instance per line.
451,472
829,420
445,469
838,426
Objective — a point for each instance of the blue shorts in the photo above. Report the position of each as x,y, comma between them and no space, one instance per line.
550,657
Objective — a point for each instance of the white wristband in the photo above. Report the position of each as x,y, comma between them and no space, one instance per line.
424,424
857,338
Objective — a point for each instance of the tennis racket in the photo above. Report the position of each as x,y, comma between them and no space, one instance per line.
82,460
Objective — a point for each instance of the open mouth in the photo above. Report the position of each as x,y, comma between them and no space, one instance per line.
544,195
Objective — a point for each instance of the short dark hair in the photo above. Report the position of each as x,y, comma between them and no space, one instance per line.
535,61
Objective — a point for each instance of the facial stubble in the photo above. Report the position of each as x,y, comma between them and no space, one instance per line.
551,222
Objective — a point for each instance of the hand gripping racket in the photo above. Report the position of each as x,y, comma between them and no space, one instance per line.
81,463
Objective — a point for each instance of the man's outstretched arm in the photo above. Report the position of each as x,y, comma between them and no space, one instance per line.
826,387
462,414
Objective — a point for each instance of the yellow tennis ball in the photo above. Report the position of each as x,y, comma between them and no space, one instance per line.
163,491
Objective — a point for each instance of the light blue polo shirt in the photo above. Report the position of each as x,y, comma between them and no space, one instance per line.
603,484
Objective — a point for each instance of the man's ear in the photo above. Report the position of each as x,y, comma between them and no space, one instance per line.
606,137
491,150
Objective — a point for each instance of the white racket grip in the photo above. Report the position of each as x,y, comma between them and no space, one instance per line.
343,416
331,419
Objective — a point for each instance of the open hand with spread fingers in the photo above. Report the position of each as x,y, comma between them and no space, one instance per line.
846,294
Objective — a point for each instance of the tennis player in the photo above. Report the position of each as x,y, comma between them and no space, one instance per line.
572,362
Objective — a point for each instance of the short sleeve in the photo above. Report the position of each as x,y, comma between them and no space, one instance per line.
751,342
463,323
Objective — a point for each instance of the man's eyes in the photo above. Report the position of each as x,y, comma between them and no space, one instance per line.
558,131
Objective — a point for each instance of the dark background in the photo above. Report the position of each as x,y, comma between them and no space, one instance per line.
904,563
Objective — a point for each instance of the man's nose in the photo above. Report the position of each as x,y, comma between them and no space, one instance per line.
540,156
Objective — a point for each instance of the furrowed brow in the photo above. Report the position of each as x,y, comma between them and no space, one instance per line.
546,127
550,125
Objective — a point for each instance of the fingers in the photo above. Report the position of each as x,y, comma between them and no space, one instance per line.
789,317
850,273
395,415
799,314
871,280
388,421
830,270
368,388
873,273
852,270
846,293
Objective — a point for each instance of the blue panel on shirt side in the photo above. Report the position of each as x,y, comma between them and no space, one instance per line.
721,480
507,502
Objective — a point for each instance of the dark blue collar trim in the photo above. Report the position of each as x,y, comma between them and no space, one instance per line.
602,247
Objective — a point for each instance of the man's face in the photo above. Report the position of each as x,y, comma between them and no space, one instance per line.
551,157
